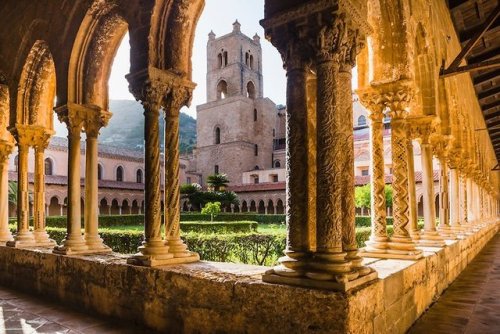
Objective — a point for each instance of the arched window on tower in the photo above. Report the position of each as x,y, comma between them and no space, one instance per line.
138,176
217,135
48,166
219,60
361,120
256,149
277,164
251,62
119,174
225,58
216,169
99,171
221,90
247,59
255,115
250,90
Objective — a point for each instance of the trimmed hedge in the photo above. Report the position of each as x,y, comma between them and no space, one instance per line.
225,216
219,227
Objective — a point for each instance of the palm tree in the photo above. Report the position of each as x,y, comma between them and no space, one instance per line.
217,182
13,192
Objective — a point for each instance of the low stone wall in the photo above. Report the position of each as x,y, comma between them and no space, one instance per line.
221,297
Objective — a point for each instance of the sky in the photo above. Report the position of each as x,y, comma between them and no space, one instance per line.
220,21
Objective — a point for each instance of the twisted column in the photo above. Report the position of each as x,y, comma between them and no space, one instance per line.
412,193
6,147
95,119
400,244
178,97
73,242
378,237
40,234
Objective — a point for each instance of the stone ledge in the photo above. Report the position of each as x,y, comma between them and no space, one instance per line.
224,297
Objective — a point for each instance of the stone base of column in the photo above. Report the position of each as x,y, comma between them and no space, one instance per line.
95,244
402,248
431,239
5,236
374,247
414,235
72,245
446,232
42,239
22,239
156,253
340,283
293,264
178,248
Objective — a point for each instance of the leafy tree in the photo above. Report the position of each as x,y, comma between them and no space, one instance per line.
388,195
212,209
189,189
217,182
362,196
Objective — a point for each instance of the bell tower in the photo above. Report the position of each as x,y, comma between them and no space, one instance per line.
234,65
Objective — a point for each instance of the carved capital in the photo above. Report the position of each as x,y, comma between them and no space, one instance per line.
421,128
95,120
177,97
372,100
73,115
397,96
32,136
6,148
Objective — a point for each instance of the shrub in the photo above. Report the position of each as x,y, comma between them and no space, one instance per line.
219,227
259,218
212,209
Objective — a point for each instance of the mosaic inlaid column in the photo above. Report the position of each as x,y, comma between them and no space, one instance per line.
154,250
331,43
429,235
6,147
24,237
41,236
179,96
95,119
73,115
377,244
400,245
412,193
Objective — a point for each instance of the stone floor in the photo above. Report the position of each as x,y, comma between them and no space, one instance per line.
24,314
471,304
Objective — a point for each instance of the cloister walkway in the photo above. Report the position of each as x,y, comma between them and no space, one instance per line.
25,314
472,302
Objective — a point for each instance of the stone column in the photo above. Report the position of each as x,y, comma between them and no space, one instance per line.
455,202
378,238
151,91
429,235
73,115
6,147
471,218
24,237
94,120
412,193
61,209
179,96
328,41
40,234
398,98
463,201
444,202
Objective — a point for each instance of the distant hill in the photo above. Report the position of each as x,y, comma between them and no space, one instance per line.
126,127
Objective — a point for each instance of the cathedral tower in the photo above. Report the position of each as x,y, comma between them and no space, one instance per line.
235,126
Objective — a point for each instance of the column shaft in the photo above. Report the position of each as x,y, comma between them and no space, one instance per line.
5,234
412,193
40,234
454,200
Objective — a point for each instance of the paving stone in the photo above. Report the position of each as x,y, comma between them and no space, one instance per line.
471,304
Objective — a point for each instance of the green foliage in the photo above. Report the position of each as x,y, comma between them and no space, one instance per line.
212,209
219,227
259,218
189,189
388,195
13,192
362,196
217,182
365,221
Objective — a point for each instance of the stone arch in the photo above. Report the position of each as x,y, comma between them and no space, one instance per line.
115,209
104,208
221,90
425,74
120,173
126,208
270,207
251,93
280,209
236,208
55,206
262,207
244,206
96,43
37,88
253,206
362,120
420,206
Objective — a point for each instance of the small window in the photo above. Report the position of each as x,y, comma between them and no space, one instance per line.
221,90
274,133
247,59
256,168
99,171
219,60
256,179
139,176
225,58
256,149
250,90
216,169
361,120
119,174
48,167
255,115
16,163
364,172
188,180
251,62
275,178
277,164
217,135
